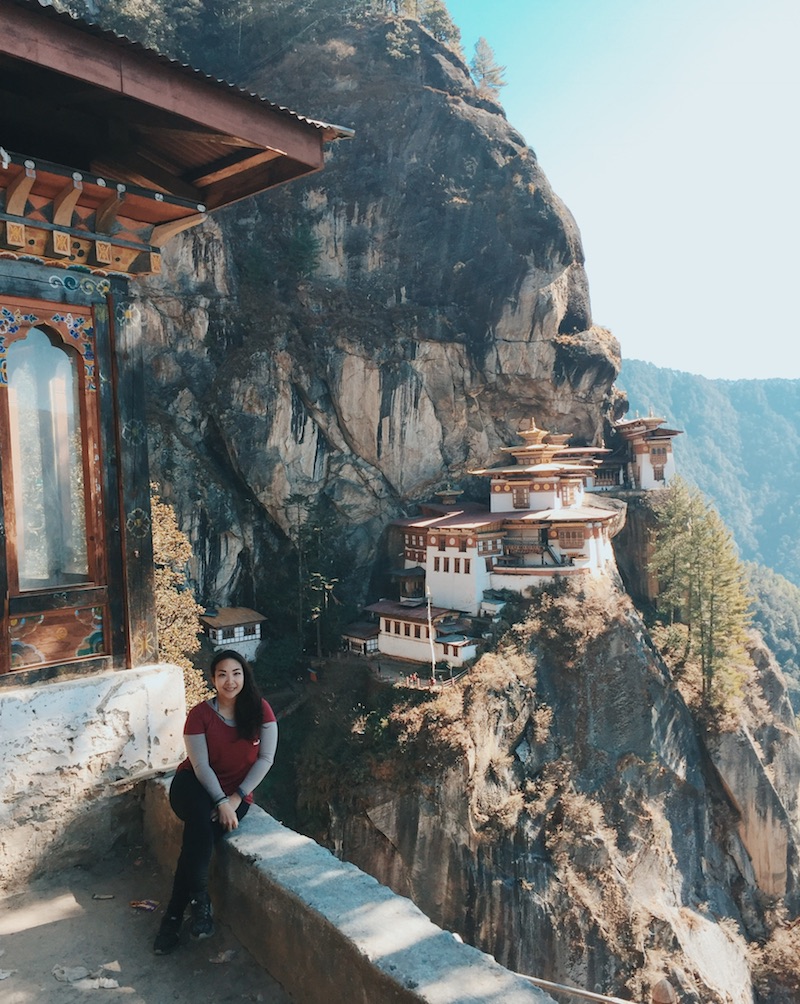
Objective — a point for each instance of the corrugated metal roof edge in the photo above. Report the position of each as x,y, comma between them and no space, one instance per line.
46,8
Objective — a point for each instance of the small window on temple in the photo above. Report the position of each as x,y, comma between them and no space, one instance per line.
417,631
387,626
227,633
467,565
397,627
571,537
407,630
445,564
521,497
436,564
462,544
456,565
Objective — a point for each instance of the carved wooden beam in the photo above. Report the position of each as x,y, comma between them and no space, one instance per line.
107,211
66,200
18,191
226,167
166,231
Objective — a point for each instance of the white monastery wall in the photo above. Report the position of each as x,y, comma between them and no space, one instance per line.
68,750
503,501
399,646
459,590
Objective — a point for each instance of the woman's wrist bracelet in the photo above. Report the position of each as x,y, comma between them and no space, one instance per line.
219,801
241,794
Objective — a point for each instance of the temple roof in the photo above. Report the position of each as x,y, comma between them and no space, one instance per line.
101,135
551,469
571,514
405,611
473,519
648,426
231,617
362,630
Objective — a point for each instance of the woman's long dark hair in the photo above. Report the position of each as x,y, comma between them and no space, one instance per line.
248,709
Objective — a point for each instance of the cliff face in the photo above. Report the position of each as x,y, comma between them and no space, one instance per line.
584,833
359,339
372,331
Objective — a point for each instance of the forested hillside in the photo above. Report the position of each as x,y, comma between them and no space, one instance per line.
741,447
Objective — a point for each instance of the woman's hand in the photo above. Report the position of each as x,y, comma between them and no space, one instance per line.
226,813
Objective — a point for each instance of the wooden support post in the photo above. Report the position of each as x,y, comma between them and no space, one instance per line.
135,525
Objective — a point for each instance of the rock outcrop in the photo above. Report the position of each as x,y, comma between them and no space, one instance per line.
583,833
372,331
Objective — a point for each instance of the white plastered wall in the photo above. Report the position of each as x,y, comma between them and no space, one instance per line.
69,749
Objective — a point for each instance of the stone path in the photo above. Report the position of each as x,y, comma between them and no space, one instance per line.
56,922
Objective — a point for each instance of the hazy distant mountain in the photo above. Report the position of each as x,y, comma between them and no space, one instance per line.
741,446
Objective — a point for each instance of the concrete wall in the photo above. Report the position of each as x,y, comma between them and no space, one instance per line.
327,931
68,750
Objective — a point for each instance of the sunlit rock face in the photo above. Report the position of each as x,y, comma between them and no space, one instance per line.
364,335
586,832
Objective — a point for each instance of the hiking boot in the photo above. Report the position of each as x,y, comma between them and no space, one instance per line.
202,918
168,936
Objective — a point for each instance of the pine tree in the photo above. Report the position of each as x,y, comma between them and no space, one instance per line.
435,18
488,75
702,585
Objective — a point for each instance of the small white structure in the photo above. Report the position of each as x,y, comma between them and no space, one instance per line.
238,628
644,461
405,633
361,638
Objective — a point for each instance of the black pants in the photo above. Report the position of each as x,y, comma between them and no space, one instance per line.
192,803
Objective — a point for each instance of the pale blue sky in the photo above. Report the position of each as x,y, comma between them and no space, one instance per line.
670,129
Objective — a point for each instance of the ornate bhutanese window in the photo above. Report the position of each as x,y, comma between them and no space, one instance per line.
52,485
571,536
53,464
521,497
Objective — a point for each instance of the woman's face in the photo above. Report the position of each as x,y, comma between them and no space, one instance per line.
228,678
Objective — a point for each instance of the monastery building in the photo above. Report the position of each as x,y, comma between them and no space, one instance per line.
541,523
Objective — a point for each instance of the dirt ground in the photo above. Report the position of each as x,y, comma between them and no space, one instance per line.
58,924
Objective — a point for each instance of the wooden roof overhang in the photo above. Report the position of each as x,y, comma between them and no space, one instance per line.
404,611
576,514
232,617
534,471
108,149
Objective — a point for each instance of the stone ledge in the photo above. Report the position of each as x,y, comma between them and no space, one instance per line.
327,931
69,749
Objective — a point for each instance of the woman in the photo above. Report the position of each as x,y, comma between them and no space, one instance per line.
230,741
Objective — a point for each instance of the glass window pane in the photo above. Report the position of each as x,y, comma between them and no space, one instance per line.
47,463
